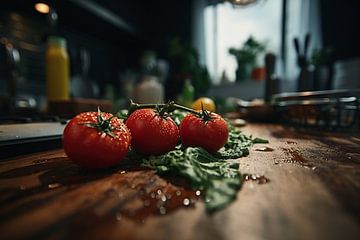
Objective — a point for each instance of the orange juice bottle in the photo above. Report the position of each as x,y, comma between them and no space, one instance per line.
57,70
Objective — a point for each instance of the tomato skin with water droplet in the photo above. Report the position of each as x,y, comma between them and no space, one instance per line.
91,148
210,135
151,133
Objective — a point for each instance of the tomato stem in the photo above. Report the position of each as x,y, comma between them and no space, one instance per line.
103,125
205,115
165,107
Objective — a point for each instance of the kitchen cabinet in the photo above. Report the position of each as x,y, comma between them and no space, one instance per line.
308,187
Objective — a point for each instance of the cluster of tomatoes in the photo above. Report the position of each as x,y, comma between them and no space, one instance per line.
99,140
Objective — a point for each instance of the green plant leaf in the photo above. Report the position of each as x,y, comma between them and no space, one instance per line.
259,140
220,180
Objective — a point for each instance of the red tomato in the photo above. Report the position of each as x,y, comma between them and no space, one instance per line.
151,133
197,132
95,142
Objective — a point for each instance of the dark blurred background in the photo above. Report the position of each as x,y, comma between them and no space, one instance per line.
113,46
117,33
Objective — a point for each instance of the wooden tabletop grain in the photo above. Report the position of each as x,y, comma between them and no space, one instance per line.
307,187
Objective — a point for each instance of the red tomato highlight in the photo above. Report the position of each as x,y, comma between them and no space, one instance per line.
151,133
92,148
210,135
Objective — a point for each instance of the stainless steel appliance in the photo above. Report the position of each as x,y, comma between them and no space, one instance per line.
21,135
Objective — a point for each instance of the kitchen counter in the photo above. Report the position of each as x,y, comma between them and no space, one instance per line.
308,187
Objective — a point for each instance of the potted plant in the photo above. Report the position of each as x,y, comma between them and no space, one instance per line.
185,64
246,57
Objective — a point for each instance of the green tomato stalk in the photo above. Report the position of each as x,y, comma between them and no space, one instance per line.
102,125
162,108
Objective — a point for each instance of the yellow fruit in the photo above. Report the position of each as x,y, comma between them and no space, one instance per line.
208,104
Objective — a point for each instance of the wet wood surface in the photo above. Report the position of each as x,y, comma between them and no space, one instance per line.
302,185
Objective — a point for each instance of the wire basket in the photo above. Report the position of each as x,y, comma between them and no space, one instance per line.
330,109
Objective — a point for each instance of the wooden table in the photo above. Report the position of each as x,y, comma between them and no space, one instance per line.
313,192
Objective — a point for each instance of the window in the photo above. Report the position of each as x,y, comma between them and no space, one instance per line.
228,26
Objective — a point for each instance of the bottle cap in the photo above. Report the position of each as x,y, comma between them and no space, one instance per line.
57,41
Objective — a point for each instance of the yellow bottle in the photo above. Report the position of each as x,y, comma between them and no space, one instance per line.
57,70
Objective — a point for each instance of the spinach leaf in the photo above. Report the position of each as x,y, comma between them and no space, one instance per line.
237,145
220,180
260,140
178,116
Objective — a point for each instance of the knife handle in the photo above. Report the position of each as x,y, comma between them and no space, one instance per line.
307,42
297,46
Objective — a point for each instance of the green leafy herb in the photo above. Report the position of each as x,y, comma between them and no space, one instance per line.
220,180
122,114
237,145
177,116
260,140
